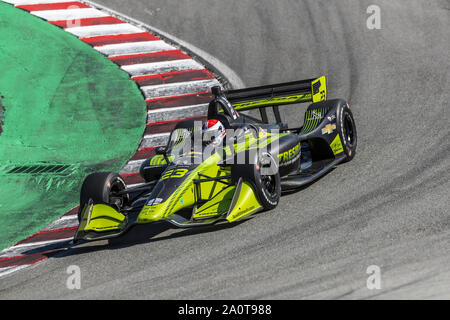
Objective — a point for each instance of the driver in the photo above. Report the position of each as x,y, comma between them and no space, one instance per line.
213,132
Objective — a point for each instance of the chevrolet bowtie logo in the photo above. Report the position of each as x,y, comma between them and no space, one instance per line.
329,129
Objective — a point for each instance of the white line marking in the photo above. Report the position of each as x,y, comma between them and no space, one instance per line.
17,248
72,14
235,81
63,223
159,135
132,167
151,141
162,67
180,88
104,30
9,270
26,2
134,47
167,114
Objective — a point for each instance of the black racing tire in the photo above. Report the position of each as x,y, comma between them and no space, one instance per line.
347,130
269,190
267,186
100,187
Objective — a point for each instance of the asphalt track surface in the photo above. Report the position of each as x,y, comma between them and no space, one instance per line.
388,207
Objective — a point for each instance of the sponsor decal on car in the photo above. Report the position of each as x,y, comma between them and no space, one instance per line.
329,129
274,100
176,173
154,202
336,145
316,115
286,157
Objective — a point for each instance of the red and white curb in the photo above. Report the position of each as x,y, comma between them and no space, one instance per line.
174,85
52,239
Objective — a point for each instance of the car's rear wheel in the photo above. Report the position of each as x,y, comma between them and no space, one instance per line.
103,188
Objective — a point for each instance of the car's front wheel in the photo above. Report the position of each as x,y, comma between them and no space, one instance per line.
103,188
264,175
347,130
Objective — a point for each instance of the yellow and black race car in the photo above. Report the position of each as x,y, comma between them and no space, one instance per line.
228,168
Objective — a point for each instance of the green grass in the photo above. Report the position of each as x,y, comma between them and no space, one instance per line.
65,104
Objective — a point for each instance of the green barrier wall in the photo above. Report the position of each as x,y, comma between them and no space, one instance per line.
68,111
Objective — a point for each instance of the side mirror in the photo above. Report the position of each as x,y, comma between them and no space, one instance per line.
217,91
161,150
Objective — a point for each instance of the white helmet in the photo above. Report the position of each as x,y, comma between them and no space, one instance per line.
213,132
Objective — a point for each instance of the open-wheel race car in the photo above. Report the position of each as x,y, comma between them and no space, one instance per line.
227,168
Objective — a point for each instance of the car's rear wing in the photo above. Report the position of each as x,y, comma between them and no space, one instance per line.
310,90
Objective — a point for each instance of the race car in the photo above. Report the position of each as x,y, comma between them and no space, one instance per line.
228,168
